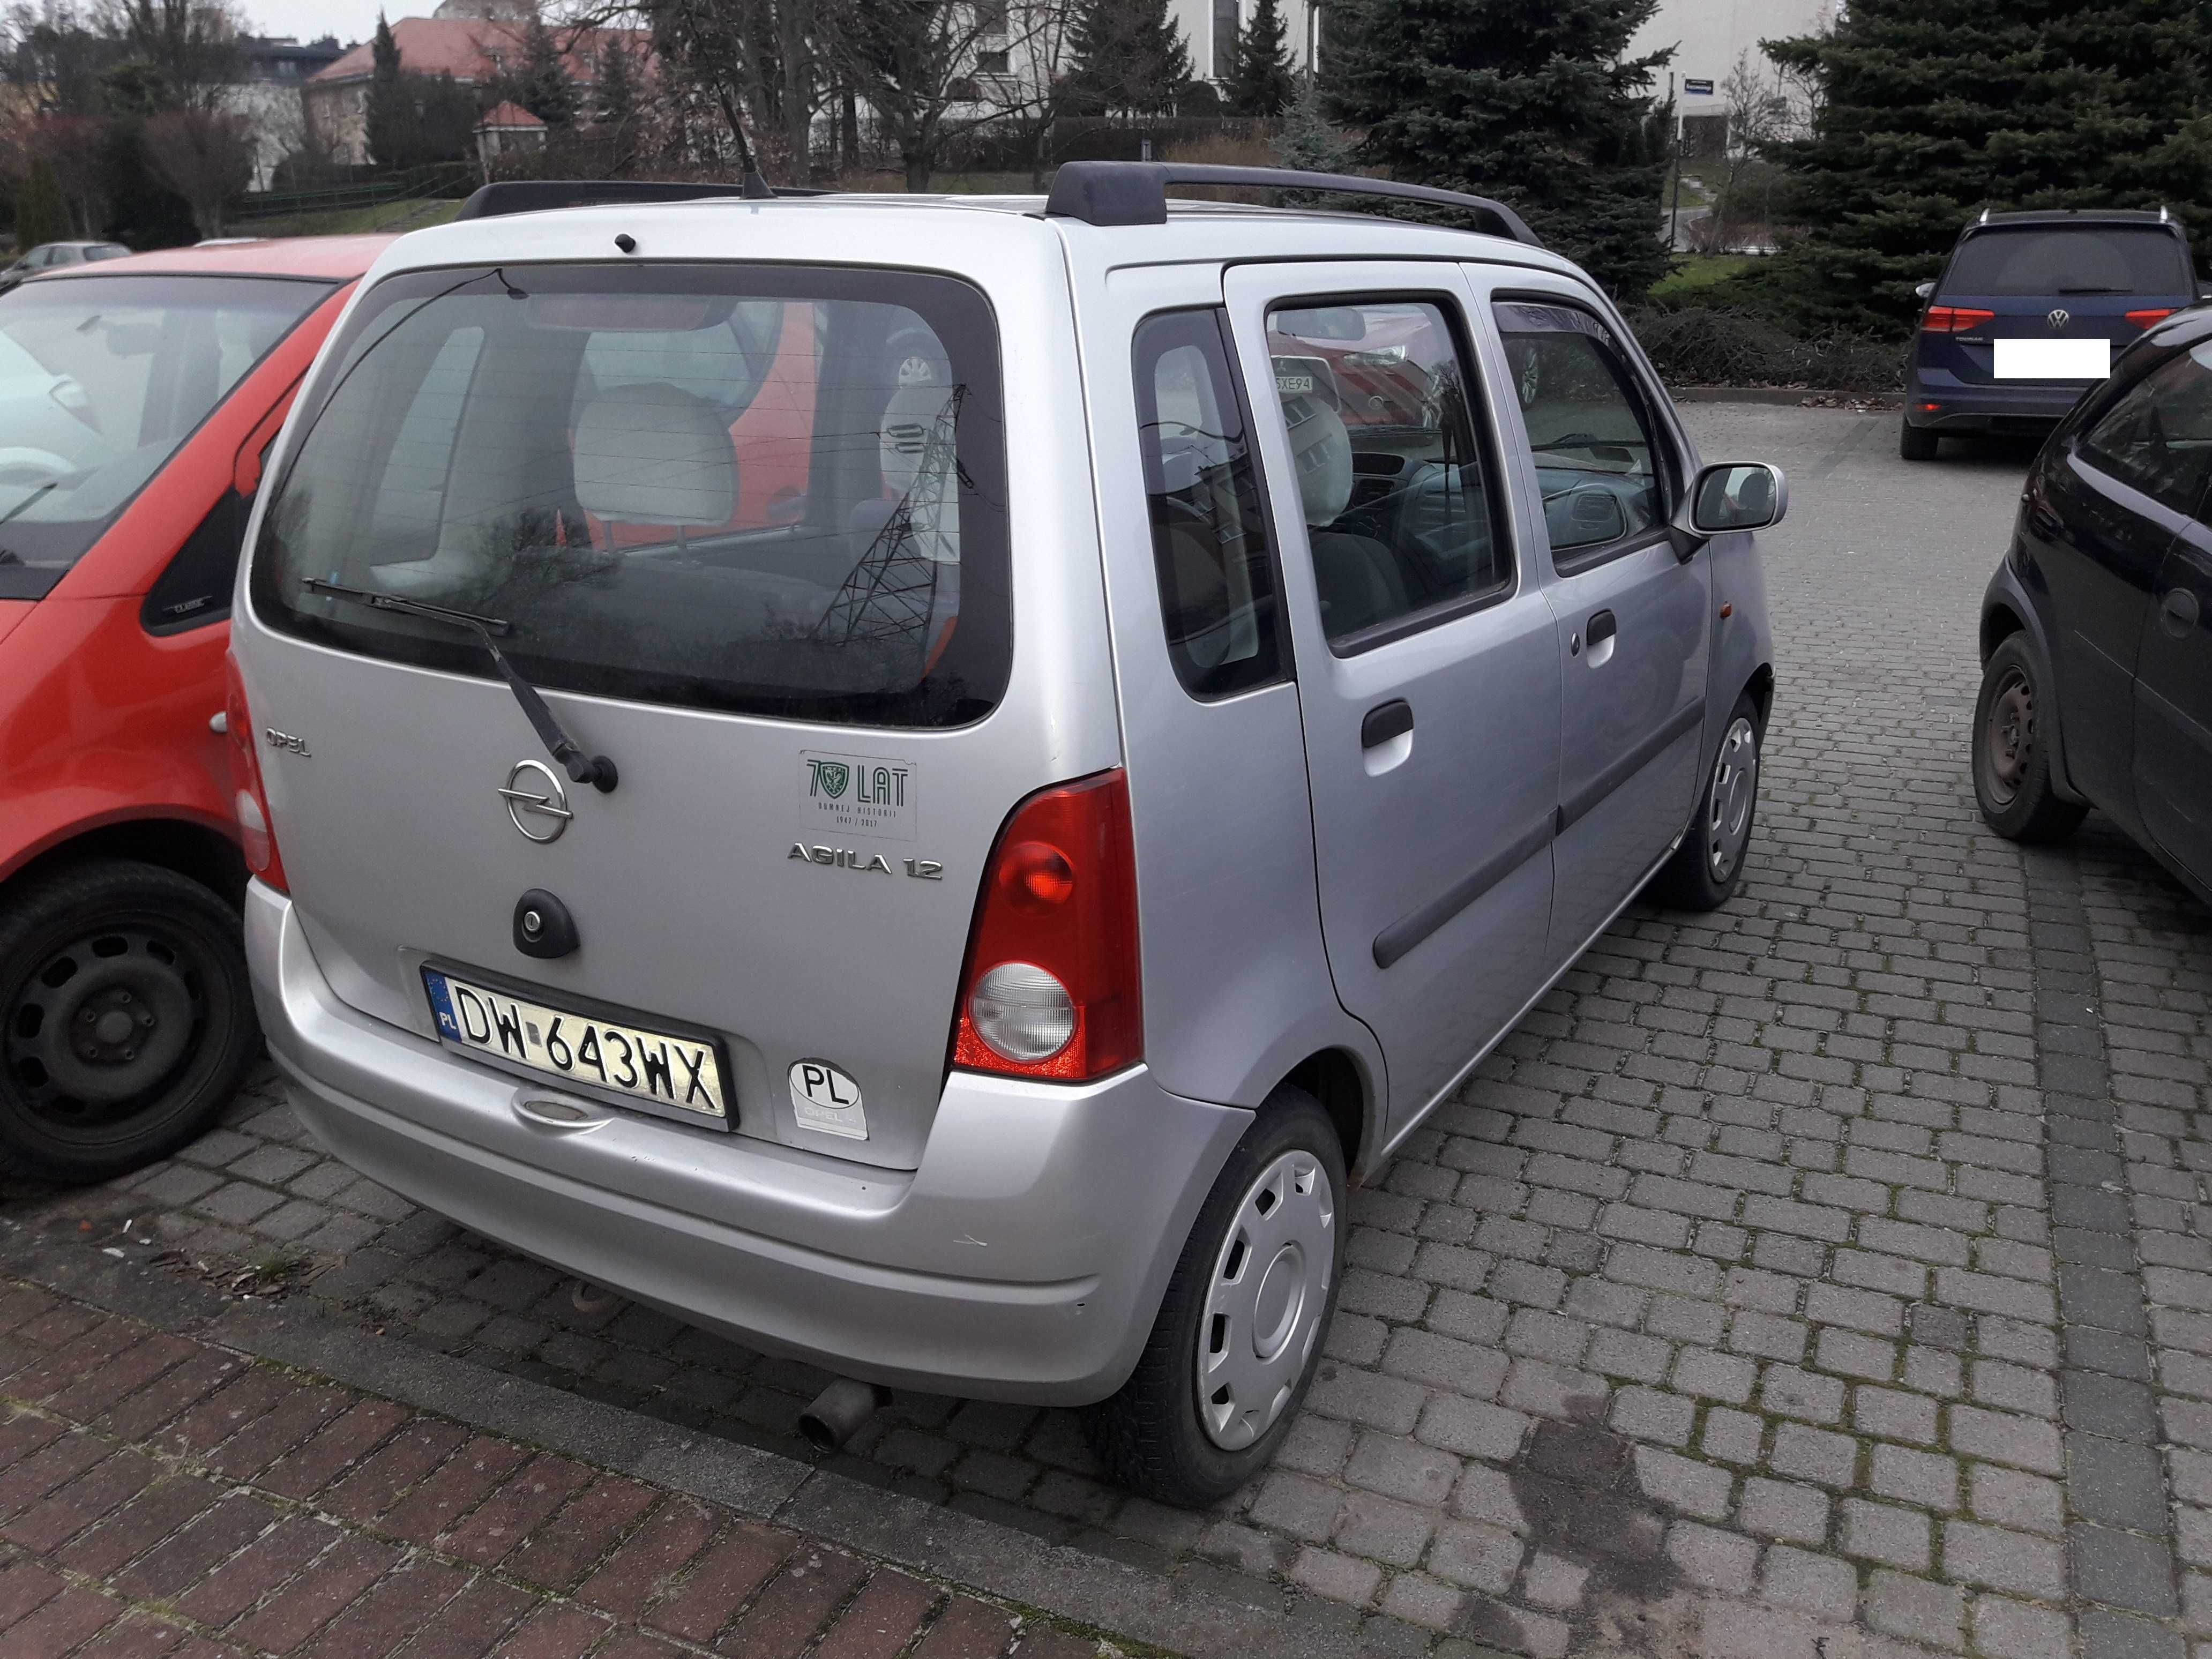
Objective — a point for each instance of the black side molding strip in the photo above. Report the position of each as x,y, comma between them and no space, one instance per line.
1587,797
1402,935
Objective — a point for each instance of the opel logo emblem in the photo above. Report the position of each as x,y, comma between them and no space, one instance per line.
2059,319
537,801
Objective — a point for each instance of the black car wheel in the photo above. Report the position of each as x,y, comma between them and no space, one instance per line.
1241,1328
126,1019
2012,760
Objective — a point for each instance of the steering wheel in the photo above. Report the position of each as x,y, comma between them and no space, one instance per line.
41,465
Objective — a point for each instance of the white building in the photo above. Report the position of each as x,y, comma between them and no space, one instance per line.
1708,35
1209,29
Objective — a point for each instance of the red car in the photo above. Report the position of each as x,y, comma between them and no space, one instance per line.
137,396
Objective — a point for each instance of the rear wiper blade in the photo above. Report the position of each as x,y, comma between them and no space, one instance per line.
595,769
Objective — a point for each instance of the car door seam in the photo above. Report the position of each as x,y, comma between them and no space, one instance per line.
1584,801
1393,942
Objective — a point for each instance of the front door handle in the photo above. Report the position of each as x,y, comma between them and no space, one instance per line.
1384,721
2178,612
1602,627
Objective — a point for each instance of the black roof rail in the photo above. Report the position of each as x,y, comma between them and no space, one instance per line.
507,196
1136,193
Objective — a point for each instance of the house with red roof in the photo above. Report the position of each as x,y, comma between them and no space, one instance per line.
476,44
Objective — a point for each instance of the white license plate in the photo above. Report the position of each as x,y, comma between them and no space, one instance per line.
679,1072
2054,359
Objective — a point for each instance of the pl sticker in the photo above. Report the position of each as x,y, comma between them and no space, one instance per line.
857,794
826,1099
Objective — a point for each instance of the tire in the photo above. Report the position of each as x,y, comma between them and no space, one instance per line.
1708,866
1163,1435
2011,764
1917,443
148,970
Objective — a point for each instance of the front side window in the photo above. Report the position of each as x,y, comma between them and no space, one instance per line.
101,379
1209,534
765,489
1599,461
1399,498
2158,437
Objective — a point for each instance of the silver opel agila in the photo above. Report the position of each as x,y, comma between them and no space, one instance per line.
925,783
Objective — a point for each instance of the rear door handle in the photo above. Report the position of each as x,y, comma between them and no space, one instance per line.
1384,721
2178,612
1602,627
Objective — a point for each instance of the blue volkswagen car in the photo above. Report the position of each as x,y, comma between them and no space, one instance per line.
2028,314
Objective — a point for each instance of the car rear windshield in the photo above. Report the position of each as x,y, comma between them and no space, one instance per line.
2069,260
758,488
101,377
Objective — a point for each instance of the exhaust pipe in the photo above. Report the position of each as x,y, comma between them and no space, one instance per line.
839,1411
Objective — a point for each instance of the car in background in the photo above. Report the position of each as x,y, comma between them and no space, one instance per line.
136,398
2030,310
2097,628
56,256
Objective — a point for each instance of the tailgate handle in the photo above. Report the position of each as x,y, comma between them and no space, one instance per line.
1384,721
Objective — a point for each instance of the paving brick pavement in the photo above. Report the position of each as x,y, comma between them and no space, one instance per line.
1826,1277
161,1498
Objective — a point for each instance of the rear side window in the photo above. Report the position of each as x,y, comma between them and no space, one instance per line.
1599,460
2158,437
1209,534
766,489
2089,259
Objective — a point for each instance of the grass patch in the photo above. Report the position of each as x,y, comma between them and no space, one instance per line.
352,222
1694,273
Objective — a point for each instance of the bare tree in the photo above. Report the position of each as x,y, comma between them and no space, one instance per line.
192,43
206,156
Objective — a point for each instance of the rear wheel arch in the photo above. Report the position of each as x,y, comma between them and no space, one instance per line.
1333,1076
189,849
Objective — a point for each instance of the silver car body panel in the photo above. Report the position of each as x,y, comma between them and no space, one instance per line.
993,1238
1023,1260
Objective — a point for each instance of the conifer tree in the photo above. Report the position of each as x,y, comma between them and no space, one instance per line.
1126,58
1539,105
540,82
1310,140
390,118
1932,110
1263,81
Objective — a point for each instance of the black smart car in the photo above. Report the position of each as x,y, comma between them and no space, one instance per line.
2097,627
2030,310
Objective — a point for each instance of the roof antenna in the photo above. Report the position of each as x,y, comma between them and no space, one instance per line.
756,188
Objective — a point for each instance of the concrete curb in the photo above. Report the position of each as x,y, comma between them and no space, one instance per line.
957,1549
1788,396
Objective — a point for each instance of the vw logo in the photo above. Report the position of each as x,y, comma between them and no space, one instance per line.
2059,319
537,801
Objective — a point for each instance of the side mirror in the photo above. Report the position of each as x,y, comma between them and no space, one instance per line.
1738,495
1922,291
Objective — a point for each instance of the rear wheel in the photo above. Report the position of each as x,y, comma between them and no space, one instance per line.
1241,1327
1708,866
1917,443
126,1019
2012,758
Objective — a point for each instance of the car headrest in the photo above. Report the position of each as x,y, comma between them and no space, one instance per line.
1320,449
908,419
655,455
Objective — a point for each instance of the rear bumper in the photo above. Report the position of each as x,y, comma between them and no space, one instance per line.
1977,406
1024,1259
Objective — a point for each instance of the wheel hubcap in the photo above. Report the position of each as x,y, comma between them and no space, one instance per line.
1734,790
102,1023
2009,737
1263,1306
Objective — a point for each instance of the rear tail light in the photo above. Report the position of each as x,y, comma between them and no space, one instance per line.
1954,320
1052,987
249,800
2145,319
